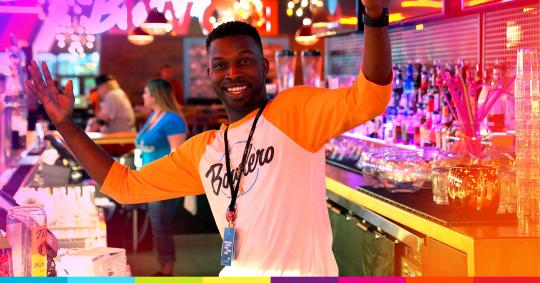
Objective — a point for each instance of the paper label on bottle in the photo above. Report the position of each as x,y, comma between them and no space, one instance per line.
39,250
6,265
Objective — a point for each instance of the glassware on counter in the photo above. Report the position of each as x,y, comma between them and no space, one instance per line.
455,155
403,171
285,68
41,130
371,160
312,67
527,99
473,188
26,228
506,172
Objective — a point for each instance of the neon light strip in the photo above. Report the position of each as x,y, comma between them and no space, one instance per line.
477,2
395,17
18,10
422,3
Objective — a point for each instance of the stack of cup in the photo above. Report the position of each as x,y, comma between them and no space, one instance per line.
527,95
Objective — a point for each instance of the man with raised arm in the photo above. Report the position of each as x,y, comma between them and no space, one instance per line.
264,172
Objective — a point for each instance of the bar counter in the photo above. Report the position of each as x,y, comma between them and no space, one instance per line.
458,250
113,138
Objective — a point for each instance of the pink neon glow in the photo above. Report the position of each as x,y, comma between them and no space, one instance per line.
19,10
138,14
114,11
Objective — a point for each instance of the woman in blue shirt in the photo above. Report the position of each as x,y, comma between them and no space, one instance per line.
163,132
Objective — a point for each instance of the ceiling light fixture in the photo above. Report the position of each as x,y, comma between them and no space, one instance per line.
156,23
139,37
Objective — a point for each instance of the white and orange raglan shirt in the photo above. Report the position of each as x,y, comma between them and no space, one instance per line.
282,226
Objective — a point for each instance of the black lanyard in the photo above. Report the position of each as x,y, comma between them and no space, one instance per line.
231,211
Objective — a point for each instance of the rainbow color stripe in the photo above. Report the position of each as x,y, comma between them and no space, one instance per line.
271,280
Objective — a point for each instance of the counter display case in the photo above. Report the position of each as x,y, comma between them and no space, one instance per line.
474,244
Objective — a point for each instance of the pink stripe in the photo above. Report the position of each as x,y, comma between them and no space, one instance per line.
18,10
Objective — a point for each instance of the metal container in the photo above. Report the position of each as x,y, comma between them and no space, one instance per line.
5,133
26,228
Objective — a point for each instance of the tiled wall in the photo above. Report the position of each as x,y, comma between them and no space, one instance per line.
487,37
506,30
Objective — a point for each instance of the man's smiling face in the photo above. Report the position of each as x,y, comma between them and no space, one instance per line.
237,70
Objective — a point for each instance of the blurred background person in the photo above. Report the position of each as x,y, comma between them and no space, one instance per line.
167,73
163,132
93,98
116,113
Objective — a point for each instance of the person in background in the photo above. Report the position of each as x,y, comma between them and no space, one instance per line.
116,113
167,73
93,97
162,133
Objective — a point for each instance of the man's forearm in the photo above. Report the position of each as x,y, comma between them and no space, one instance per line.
377,65
94,159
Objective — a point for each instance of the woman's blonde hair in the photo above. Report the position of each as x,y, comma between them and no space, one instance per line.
162,91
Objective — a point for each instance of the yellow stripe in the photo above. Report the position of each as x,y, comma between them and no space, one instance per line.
236,280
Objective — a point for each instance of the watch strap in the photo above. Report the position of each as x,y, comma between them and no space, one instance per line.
382,21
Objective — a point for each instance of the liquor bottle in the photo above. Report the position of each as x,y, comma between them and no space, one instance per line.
408,87
397,126
411,124
432,135
404,127
446,123
397,87
496,116
424,130
419,119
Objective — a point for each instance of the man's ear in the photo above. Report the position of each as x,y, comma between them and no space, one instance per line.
266,64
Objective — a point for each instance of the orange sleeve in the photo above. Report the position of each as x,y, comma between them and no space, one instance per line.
172,176
311,116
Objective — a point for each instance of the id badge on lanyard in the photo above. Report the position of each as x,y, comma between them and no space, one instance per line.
228,247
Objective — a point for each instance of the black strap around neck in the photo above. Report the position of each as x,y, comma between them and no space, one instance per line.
241,167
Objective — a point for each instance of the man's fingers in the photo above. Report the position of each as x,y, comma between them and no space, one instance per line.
30,86
36,76
69,88
47,74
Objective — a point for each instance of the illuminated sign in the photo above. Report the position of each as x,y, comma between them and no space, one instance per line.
474,3
412,9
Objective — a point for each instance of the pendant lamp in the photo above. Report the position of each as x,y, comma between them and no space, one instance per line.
156,23
305,36
140,37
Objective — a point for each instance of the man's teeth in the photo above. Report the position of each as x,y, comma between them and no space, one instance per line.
235,90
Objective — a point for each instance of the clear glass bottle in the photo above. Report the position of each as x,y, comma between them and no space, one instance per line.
455,154
26,228
506,174
403,171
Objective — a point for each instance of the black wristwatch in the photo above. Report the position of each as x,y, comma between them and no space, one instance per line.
382,21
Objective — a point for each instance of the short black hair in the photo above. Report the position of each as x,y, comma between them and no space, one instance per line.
103,78
234,28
